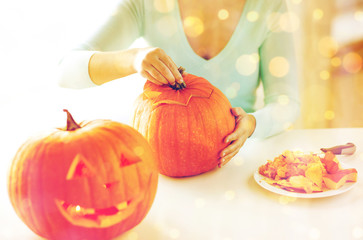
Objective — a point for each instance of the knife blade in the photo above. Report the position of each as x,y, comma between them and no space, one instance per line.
346,149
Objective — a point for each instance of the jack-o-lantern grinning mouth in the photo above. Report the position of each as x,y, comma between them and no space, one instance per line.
98,218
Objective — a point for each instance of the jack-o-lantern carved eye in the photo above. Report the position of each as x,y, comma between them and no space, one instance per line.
126,161
80,168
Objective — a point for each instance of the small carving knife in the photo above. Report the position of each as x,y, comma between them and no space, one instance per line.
346,149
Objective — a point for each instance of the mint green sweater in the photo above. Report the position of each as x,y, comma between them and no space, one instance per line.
259,51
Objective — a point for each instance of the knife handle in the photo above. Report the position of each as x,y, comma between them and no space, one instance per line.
346,149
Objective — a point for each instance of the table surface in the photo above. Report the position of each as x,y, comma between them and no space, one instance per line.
227,203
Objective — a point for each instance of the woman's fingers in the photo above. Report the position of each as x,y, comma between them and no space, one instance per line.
245,125
223,161
236,134
235,146
156,63
231,151
160,70
238,111
151,78
172,67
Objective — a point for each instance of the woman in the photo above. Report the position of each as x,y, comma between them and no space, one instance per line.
235,44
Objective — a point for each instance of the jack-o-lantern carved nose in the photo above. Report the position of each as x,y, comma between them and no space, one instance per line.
109,185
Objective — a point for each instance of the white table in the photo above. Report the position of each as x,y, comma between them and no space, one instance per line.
228,204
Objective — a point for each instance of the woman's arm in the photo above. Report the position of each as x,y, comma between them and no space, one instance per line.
118,32
279,75
105,56
152,63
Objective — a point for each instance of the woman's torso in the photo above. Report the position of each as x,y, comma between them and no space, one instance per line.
233,64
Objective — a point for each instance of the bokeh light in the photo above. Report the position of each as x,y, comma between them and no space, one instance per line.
247,64
131,235
223,14
328,47
329,115
296,1
286,199
352,62
174,233
273,22
289,22
325,75
232,90
229,195
78,208
336,61
139,151
167,26
288,126
164,6
357,232
314,234
318,14
199,202
279,66
193,26
252,16
283,99
358,15
238,160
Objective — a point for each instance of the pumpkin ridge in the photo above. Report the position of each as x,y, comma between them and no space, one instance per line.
223,98
174,145
141,189
149,195
105,135
184,164
43,170
13,183
216,131
222,125
204,120
117,157
159,145
16,185
37,160
85,148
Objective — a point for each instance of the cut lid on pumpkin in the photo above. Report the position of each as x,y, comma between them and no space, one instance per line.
166,95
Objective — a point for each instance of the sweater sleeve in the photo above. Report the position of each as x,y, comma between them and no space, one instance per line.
118,32
279,76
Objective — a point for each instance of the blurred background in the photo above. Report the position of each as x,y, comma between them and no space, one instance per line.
330,37
35,34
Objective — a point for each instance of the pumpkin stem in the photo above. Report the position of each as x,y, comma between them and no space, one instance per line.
178,86
181,70
71,124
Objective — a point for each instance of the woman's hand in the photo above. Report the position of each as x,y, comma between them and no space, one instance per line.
245,126
154,65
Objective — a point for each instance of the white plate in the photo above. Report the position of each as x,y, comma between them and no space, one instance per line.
346,187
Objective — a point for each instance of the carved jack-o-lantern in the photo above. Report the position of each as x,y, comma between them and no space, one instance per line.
94,180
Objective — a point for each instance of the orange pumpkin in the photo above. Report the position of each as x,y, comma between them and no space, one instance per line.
185,125
94,180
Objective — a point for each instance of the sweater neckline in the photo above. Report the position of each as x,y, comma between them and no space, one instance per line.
235,35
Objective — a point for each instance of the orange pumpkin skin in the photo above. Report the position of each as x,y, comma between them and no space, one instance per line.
186,127
94,182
